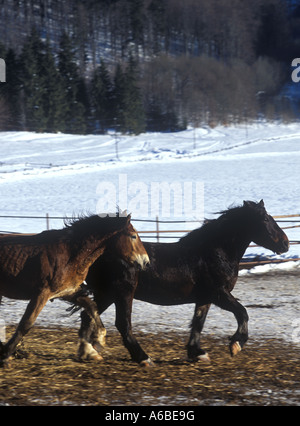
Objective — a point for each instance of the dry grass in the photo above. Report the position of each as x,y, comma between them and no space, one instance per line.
266,372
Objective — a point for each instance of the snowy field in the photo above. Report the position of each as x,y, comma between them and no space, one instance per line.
66,175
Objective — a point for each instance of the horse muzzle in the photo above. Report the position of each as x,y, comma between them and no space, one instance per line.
142,261
283,247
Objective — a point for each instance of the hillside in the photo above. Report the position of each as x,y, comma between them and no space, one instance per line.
144,64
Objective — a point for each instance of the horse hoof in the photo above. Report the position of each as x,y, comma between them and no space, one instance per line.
235,348
86,352
204,358
146,363
95,357
91,357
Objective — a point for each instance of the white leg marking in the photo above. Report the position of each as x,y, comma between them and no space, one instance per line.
87,352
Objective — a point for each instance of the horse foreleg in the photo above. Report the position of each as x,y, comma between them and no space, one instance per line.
33,309
226,301
123,324
194,350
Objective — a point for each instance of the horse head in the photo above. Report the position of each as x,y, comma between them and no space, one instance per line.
128,246
265,231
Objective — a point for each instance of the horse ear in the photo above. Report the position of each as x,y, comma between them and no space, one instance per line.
246,204
128,218
261,203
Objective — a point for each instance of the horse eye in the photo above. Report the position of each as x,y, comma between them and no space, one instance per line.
133,237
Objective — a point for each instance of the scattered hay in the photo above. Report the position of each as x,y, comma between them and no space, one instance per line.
266,372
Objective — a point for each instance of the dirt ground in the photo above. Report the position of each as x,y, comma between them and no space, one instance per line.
266,372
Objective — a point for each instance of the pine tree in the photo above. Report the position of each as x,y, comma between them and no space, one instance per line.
33,83
75,113
133,113
157,9
137,20
11,91
4,116
84,101
44,100
101,97
129,110
54,101
118,99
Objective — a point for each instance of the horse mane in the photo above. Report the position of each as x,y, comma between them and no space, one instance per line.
83,222
213,229
80,227
76,227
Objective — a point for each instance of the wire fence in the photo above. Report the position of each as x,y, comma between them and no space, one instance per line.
158,234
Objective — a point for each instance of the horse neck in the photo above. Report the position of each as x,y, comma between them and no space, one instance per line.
235,242
236,248
88,249
216,235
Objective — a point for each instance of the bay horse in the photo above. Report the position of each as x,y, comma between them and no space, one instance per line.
53,264
201,268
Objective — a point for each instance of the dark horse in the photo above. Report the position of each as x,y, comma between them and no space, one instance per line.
42,267
201,268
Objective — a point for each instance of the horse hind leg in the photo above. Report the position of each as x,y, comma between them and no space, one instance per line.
98,336
194,350
89,332
92,331
98,332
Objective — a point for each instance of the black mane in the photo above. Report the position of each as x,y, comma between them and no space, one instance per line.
229,221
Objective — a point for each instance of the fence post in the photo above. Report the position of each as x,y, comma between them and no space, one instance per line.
157,229
47,222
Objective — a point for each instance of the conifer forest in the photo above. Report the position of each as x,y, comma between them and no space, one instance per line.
145,65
